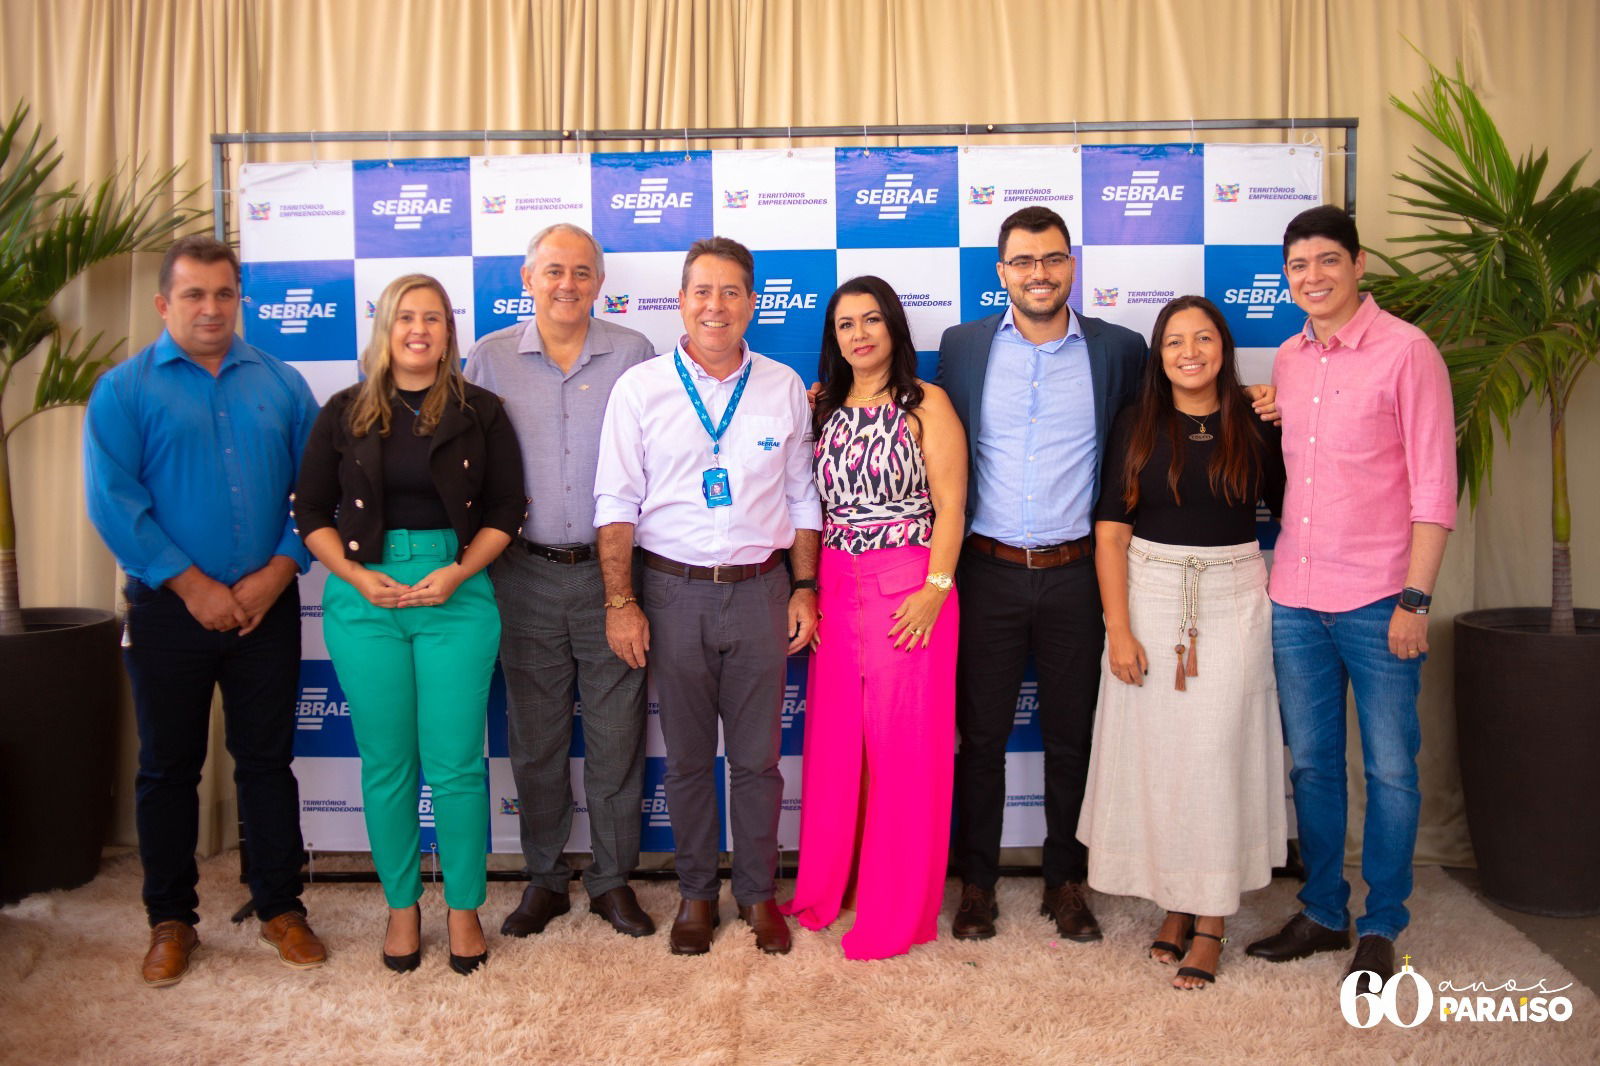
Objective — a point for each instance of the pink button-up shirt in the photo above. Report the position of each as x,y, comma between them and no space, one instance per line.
1369,446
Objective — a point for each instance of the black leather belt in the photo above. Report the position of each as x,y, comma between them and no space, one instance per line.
722,575
1033,558
570,553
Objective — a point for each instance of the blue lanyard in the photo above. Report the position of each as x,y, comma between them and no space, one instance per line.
700,406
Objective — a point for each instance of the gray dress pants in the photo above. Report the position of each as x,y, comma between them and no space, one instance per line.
718,651
553,632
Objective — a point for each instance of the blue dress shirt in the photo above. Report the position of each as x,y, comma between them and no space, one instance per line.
183,468
1035,466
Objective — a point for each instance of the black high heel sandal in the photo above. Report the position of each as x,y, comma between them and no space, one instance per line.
1176,951
1195,971
407,963
465,964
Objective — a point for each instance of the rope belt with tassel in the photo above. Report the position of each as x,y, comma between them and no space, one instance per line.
1189,621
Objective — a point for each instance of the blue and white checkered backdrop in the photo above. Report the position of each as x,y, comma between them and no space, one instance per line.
321,240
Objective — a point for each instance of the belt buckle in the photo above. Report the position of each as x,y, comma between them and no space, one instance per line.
399,548
718,579
1028,557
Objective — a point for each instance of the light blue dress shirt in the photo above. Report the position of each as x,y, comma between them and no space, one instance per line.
1035,464
183,468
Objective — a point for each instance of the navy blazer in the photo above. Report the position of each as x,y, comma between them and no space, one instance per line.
1116,361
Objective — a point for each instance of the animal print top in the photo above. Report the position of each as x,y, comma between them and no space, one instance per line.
873,482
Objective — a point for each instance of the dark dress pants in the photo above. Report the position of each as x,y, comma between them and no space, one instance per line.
1007,612
718,654
174,665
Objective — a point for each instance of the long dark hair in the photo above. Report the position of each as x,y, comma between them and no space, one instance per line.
834,371
1235,467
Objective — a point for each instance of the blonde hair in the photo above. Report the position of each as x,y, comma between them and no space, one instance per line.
374,400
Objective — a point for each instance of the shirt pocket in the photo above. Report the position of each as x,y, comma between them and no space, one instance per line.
759,444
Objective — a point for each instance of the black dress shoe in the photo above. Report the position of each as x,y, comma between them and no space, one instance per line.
465,964
1068,905
407,963
772,929
1299,938
538,906
975,914
692,929
621,908
1375,953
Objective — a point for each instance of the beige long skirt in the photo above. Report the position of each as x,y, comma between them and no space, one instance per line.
1185,797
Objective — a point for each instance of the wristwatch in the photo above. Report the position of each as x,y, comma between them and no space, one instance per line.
941,580
620,600
1415,600
803,583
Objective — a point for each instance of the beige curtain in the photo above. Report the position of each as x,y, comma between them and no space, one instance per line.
152,79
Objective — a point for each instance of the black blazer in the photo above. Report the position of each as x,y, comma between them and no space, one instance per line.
1116,361
475,460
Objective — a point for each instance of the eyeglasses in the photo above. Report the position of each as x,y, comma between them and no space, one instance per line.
1023,264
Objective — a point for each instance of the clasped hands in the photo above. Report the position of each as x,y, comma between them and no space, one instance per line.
435,588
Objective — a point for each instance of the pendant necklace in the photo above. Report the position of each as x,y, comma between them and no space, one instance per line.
417,410
1200,436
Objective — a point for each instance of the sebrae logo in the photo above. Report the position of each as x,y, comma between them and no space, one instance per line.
654,807
425,807
617,305
298,308
777,298
1105,297
980,195
314,706
261,212
413,205
653,197
793,703
1143,191
1027,703
736,198
1265,294
494,205
899,192
1227,194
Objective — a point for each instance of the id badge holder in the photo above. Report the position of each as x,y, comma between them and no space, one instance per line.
714,484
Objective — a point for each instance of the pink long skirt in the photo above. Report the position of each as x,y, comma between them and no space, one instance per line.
889,714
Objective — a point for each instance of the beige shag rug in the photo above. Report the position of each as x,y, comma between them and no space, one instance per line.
580,993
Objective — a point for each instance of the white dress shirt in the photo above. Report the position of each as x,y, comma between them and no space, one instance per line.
654,452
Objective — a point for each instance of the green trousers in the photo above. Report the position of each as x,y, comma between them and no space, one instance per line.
417,680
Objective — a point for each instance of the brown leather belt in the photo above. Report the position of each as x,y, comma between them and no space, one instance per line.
570,554
1033,558
722,575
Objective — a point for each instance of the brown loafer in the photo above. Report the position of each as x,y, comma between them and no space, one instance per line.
621,908
1068,905
772,929
975,914
171,944
692,928
297,946
538,906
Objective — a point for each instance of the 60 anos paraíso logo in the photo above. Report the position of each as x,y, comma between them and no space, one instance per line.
1365,1001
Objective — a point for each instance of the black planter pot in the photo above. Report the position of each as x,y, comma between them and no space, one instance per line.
1528,726
58,739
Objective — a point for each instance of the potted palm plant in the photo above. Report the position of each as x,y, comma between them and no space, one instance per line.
58,717
1507,283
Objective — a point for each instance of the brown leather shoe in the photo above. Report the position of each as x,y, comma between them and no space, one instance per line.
297,946
1298,938
538,906
772,929
692,928
975,915
621,908
1374,953
1068,905
171,944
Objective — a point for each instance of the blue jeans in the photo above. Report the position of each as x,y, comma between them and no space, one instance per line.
174,664
1315,654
